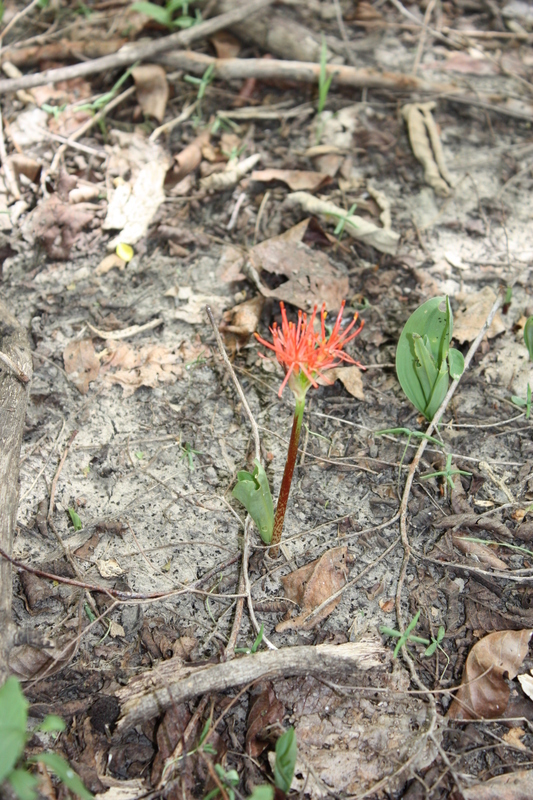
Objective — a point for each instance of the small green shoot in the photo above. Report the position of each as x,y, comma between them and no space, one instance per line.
408,636
528,336
339,230
254,648
76,521
54,111
229,779
13,738
253,491
166,15
324,82
104,99
202,84
447,472
409,433
188,453
139,454
424,359
524,403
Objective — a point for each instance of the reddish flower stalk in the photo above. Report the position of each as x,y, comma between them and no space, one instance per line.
305,355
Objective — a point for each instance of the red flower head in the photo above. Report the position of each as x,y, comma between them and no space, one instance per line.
305,354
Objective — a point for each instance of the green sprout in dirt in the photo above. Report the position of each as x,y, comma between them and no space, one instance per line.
202,84
528,336
14,770
408,636
188,453
305,355
339,230
75,519
409,433
324,81
522,402
248,651
165,15
284,766
424,358
447,472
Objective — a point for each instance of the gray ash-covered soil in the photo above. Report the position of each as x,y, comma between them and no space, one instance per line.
150,473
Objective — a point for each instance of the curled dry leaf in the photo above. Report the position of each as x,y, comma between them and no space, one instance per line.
56,225
296,179
312,585
425,141
226,45
81,363
484,691
152,89
480,551
471,316
311,278
231,176
350,377
265,710
244,318
511,786
383,239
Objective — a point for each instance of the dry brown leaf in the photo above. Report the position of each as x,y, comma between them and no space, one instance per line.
296,179
311,279
310,586
149,365
81,363
526,682
494,659
426,146
226,45
109,262
83,194
511,786
483,553
470,318
56,225
187,160
220,181
24,165
243,319
152,89
265,710
350,377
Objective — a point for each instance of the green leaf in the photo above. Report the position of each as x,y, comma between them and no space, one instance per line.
264,792
421,356
431,649
518,401
286,752
456,362
23,784
440,634
76,521
13,720
52,723
65,773
157,13
528,336
253,491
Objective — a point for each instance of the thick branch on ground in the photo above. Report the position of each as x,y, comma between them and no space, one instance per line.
15,346
229,69
170,683
136,52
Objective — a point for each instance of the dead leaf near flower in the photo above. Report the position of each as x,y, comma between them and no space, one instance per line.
149,365
265,710
471,316
81,363
152,89
350,377
56,225
311,278
511,786
194,311
312,585
426,146
239,322
296,179
493,660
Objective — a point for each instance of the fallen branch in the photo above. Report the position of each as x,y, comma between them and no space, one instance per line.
14,344
157,690
137,52
301,71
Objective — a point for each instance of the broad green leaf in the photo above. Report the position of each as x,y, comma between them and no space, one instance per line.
157,13
13,719
456,362
431,649
23,784
286,752
253,491
65,773
264,792
52,723
528,336
421,356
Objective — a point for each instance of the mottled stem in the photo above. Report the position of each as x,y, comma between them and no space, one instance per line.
287,477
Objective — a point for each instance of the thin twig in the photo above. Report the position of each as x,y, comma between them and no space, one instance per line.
21,375
11,181
18,17
238,387
138,52
423,34
58,473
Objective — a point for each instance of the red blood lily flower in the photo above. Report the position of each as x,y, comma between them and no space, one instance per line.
306,354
